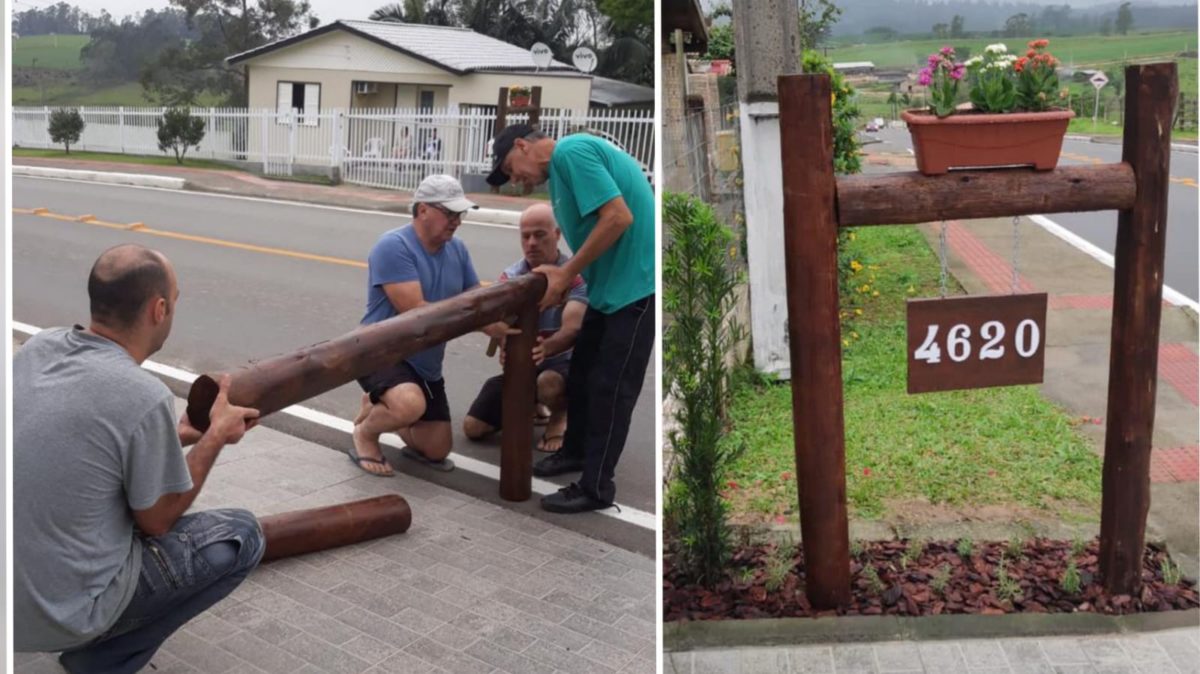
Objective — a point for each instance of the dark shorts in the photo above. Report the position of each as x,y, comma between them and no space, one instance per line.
486,407
437,407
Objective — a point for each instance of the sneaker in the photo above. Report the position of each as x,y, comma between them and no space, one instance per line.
557,464
571,499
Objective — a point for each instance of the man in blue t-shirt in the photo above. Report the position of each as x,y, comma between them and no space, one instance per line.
408,267
557,329
605,208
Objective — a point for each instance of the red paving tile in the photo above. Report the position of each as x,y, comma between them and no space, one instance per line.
1180,367
1178,464
992,269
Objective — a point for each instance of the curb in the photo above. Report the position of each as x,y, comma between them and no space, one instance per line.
136,179
688,636
488,216
1116,140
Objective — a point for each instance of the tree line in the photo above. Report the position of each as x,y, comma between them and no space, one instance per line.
178,53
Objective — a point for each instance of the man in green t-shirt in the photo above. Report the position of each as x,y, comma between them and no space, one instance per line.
604,206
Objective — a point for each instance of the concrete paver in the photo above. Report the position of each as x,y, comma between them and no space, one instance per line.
470,587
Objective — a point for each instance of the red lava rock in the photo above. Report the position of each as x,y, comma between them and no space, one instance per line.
969,589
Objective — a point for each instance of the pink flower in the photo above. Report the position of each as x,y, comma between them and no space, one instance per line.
947,51
925,77
933,60
957,72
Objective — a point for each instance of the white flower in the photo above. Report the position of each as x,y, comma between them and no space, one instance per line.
997,48
998,65
1011,58
973,61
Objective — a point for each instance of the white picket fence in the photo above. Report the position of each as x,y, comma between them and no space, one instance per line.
390,148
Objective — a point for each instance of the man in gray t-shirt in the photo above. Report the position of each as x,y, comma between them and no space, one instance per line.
105,564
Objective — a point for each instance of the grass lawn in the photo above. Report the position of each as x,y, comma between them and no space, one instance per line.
69,93
150,160
1077,50
56,52
959,449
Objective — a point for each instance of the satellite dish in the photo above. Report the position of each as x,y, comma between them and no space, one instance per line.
584,60
542,56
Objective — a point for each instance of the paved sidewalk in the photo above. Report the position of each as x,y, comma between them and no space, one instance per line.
1166,652
470,588
247,184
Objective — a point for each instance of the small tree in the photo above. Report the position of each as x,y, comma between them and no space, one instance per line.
178,130
66,126
699,281
1124,18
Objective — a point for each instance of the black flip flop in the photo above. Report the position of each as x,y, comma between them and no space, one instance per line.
359,460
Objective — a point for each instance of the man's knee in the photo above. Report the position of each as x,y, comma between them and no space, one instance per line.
404,400
477,429
550,387
240,546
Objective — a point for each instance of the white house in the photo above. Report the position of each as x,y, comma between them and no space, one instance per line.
377,64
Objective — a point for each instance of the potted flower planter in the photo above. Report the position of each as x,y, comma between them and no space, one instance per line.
519,100
977,140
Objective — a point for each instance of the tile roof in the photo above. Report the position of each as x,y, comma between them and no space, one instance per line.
456,49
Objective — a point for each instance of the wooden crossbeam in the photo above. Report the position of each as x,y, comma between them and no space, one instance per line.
909,198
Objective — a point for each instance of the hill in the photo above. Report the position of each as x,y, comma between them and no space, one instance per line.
53,52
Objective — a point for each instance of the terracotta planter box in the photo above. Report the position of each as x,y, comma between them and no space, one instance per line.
518,101
977,140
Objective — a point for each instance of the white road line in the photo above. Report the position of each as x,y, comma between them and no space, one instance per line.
283,202
541,487
1169,294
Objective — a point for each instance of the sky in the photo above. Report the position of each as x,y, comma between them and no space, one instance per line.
326,10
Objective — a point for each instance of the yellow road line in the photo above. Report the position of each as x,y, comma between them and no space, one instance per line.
141,228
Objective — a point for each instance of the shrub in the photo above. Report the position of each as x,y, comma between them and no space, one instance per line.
699,280
66,126
178,130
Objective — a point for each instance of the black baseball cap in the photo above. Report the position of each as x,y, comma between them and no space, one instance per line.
501,146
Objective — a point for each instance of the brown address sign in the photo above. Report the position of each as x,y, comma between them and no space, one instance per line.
976,342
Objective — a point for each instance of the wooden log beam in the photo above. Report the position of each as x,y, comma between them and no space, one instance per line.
1137,308
909,198
272,384
518,396
300,532
814,334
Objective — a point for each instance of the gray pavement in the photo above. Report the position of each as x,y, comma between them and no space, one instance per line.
1165,652
471,587
259,278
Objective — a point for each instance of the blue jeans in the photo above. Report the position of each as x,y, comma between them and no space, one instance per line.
184,572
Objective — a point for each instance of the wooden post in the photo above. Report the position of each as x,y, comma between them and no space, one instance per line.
1137,308
535,99
518,398
272,384
300,532
814,334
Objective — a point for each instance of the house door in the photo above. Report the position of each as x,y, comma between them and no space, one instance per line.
426,102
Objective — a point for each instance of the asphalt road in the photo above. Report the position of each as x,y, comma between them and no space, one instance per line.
1100,228
238,304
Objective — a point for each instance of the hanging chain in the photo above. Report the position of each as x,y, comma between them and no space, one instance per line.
942,255
1016,252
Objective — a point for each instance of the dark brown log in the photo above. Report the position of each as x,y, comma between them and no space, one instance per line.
273,384
907,198
814,333
300,532
1137,308
518,398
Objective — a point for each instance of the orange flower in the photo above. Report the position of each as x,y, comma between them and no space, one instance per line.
1031,53
1041,43
1019,66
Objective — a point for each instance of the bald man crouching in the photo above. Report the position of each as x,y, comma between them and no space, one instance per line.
557,328
106,565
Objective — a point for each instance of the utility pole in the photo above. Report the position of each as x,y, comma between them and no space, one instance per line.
767,40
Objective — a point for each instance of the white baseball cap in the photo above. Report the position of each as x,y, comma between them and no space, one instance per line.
444,190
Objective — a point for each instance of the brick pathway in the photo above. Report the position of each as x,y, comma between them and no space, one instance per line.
1166,652
1178,365
470,588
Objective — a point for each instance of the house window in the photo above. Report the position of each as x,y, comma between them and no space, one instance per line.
304,97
